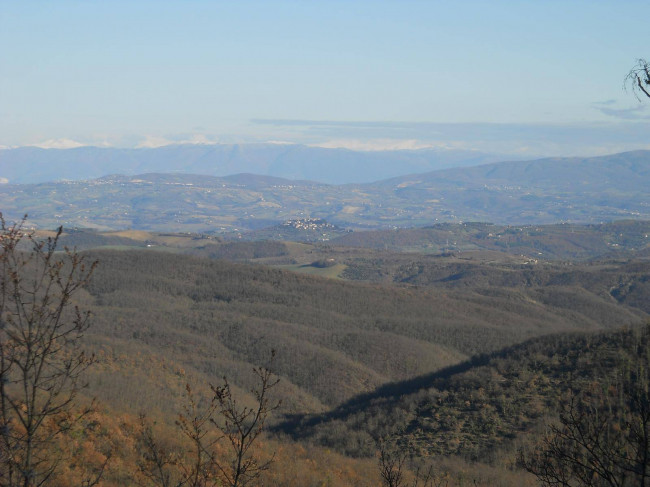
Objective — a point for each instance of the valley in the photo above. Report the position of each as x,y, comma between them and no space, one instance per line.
324,244
444,331
460,355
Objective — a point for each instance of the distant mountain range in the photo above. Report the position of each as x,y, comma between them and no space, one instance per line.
533,192
28,165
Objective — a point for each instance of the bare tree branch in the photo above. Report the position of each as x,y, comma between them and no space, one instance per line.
639,78
222,419
40,357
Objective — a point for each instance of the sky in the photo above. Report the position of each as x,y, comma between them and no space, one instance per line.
526,77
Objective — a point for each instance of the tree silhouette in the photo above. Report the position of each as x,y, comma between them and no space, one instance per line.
639,78
40,356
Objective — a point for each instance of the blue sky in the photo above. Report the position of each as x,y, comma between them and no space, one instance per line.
530,77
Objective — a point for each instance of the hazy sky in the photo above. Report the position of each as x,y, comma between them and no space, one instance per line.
506,76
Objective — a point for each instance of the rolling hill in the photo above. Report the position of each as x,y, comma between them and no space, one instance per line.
421,359
555,242
334,339
547,191
481,409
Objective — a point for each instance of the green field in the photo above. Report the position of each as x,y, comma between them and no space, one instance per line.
333,272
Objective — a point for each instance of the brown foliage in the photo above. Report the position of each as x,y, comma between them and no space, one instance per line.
40,357
204,462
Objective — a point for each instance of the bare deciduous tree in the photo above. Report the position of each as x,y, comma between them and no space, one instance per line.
639,78
393,461
242,426
40,356
156,463
223,418
602,438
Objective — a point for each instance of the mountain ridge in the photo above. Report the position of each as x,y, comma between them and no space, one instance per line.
29,165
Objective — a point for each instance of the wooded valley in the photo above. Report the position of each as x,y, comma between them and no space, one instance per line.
452,363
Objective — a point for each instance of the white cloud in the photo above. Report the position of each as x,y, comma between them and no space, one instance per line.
378,144
154,141
59,144
633,113
198,139
280,142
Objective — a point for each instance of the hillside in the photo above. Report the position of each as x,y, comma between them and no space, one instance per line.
592,190
333,338
424,364
555,242
162,320
566,174
298,230
304,241
541,191
483,408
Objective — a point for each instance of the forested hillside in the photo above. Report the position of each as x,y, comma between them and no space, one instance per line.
333,339
484,409
416,356
324,244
